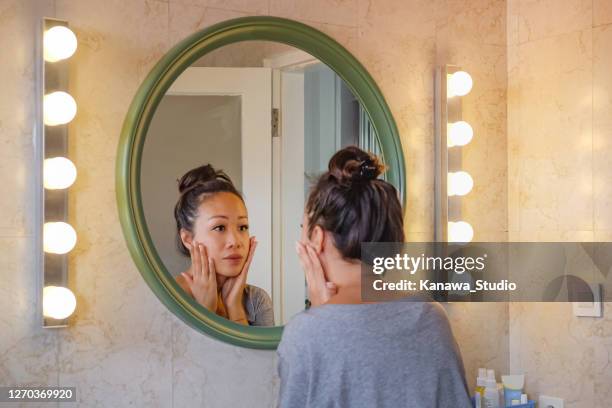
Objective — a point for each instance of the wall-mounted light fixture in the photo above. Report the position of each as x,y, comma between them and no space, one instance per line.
56,173
452,134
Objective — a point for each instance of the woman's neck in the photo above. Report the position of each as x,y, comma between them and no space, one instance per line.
347,277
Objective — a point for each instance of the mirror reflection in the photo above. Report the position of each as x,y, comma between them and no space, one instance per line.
229,156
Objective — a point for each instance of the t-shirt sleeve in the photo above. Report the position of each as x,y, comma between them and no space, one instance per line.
451,390
293,373
262,307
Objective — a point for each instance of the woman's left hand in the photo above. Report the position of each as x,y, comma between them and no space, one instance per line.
233,289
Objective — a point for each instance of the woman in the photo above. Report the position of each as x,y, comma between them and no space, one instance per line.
346,353
213,229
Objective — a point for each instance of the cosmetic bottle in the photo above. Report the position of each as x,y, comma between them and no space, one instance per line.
491,393
480,386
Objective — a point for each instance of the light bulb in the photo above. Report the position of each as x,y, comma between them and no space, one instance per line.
459,183
58,173
459,84
459,133
59,108
59,43
58,302
460,231
58,237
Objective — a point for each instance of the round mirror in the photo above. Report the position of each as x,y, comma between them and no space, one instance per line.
267,101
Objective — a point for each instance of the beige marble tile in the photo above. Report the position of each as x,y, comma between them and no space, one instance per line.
539,235
540,19
28,352
474,21
249,7
602,343
512,22
603,372
551,343
602,12
111,371
418,236
602,127
206,371
345,36
182,3
186,19
513,137
603,236
418,152
246,6
481,331
554,141
338,12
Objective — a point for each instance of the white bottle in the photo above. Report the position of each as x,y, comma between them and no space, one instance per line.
491,393
480,386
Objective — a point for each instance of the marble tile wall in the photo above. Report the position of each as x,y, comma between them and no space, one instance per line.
123,347
559,128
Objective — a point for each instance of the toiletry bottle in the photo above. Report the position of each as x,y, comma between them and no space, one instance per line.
480,386
491,393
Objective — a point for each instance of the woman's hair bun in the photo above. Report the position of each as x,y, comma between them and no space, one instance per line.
199,176
353,165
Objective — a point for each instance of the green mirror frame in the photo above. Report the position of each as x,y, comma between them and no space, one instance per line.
139,116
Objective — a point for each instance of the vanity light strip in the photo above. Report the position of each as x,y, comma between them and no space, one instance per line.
56,172
452,133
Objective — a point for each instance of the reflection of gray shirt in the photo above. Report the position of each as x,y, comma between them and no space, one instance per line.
394,354
258,306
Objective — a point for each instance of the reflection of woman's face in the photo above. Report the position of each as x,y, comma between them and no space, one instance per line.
222,226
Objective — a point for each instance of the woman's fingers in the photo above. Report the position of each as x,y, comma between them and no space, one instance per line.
319,289
315,263
187,278
196,263
212,273
304,260
204,262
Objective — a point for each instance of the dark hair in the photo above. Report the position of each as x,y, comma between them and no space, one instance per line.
195,186
353,204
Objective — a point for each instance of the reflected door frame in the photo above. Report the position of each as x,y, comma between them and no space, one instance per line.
254,86
289,285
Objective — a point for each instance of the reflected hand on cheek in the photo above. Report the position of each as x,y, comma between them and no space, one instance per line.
201,277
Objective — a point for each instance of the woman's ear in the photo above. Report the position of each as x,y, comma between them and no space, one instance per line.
317,239
186,238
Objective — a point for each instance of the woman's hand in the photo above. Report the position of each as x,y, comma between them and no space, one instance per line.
201,277
233,289
319,289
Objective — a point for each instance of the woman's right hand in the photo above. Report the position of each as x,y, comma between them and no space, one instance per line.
201,277
320,290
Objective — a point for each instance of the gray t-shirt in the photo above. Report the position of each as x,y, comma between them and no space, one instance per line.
258,306
394,354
